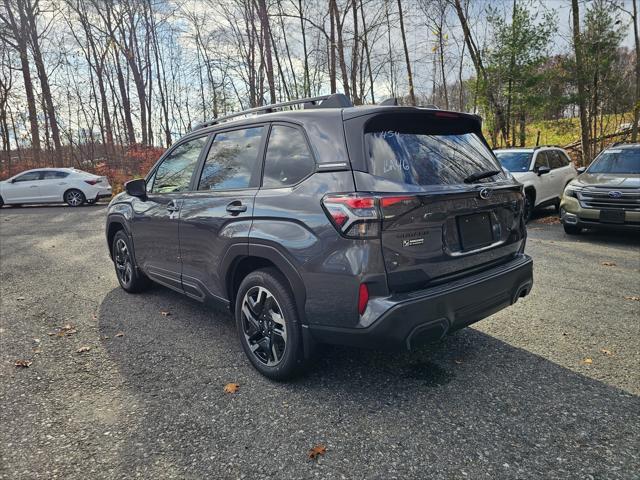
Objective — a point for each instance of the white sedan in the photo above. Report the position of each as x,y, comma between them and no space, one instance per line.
54,185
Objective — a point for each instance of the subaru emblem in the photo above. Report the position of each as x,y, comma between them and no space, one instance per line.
485,193
615,194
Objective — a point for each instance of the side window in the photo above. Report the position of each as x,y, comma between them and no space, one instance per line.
53,175
541,160
288,158
175,171
564,159
554,159
232,160
28,177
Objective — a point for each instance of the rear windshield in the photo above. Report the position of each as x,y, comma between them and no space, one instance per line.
622,160
515,161
415,158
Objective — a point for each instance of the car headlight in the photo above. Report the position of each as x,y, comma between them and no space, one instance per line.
572,191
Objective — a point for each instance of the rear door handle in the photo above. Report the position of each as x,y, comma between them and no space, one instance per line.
236,207
172,207
33,186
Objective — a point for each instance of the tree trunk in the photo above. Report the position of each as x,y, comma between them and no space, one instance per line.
18,28
481,72
340,47
332,48
367,52
266,35
44,85
307,80
582,104
636,107
354,54
412,94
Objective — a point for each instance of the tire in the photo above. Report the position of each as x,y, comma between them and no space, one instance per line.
74,197
1,202
529,201
130,278
556,206
571,229
268,325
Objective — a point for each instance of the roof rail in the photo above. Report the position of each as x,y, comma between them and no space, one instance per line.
547,146
336,100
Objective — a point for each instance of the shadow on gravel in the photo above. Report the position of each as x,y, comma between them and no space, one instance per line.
472,400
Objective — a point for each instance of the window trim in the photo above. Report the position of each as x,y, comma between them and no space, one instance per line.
256,174
166,154
264,157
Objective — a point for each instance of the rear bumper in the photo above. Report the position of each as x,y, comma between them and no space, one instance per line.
427,315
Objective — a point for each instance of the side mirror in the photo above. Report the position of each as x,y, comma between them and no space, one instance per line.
136,188
542,170
581,169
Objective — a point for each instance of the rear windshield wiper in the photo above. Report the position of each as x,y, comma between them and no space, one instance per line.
474,177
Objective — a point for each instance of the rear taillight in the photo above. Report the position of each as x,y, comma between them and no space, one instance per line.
354,215
357,215
92,182
363,298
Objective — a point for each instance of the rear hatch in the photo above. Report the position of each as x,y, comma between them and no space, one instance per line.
447,207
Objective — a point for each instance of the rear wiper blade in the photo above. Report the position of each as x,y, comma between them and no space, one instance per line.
474,177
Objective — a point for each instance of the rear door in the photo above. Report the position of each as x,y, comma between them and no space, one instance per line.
558,174
437,222
53,185
217,215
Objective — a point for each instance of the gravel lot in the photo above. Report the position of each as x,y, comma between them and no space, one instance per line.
548,388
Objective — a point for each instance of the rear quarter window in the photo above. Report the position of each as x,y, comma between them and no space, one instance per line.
288,159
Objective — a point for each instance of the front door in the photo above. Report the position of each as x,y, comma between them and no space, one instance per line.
24,188
155,222
218,216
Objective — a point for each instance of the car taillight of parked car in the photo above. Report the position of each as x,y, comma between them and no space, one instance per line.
92,182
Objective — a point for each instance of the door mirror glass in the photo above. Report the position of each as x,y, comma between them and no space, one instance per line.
542,170
136,188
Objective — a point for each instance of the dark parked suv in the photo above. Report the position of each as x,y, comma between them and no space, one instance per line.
380,226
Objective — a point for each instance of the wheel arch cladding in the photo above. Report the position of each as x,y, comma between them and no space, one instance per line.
242,266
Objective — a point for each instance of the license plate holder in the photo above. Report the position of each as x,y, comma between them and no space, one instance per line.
475,231
612,216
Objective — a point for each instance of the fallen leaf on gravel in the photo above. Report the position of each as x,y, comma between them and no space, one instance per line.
119,334
587,361
23,363
37,350
316,451
608,264
20,298
548,220
83,349
231,387
458,361
165,313
606,352
94,317
634,298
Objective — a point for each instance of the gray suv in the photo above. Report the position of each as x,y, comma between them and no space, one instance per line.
376,226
